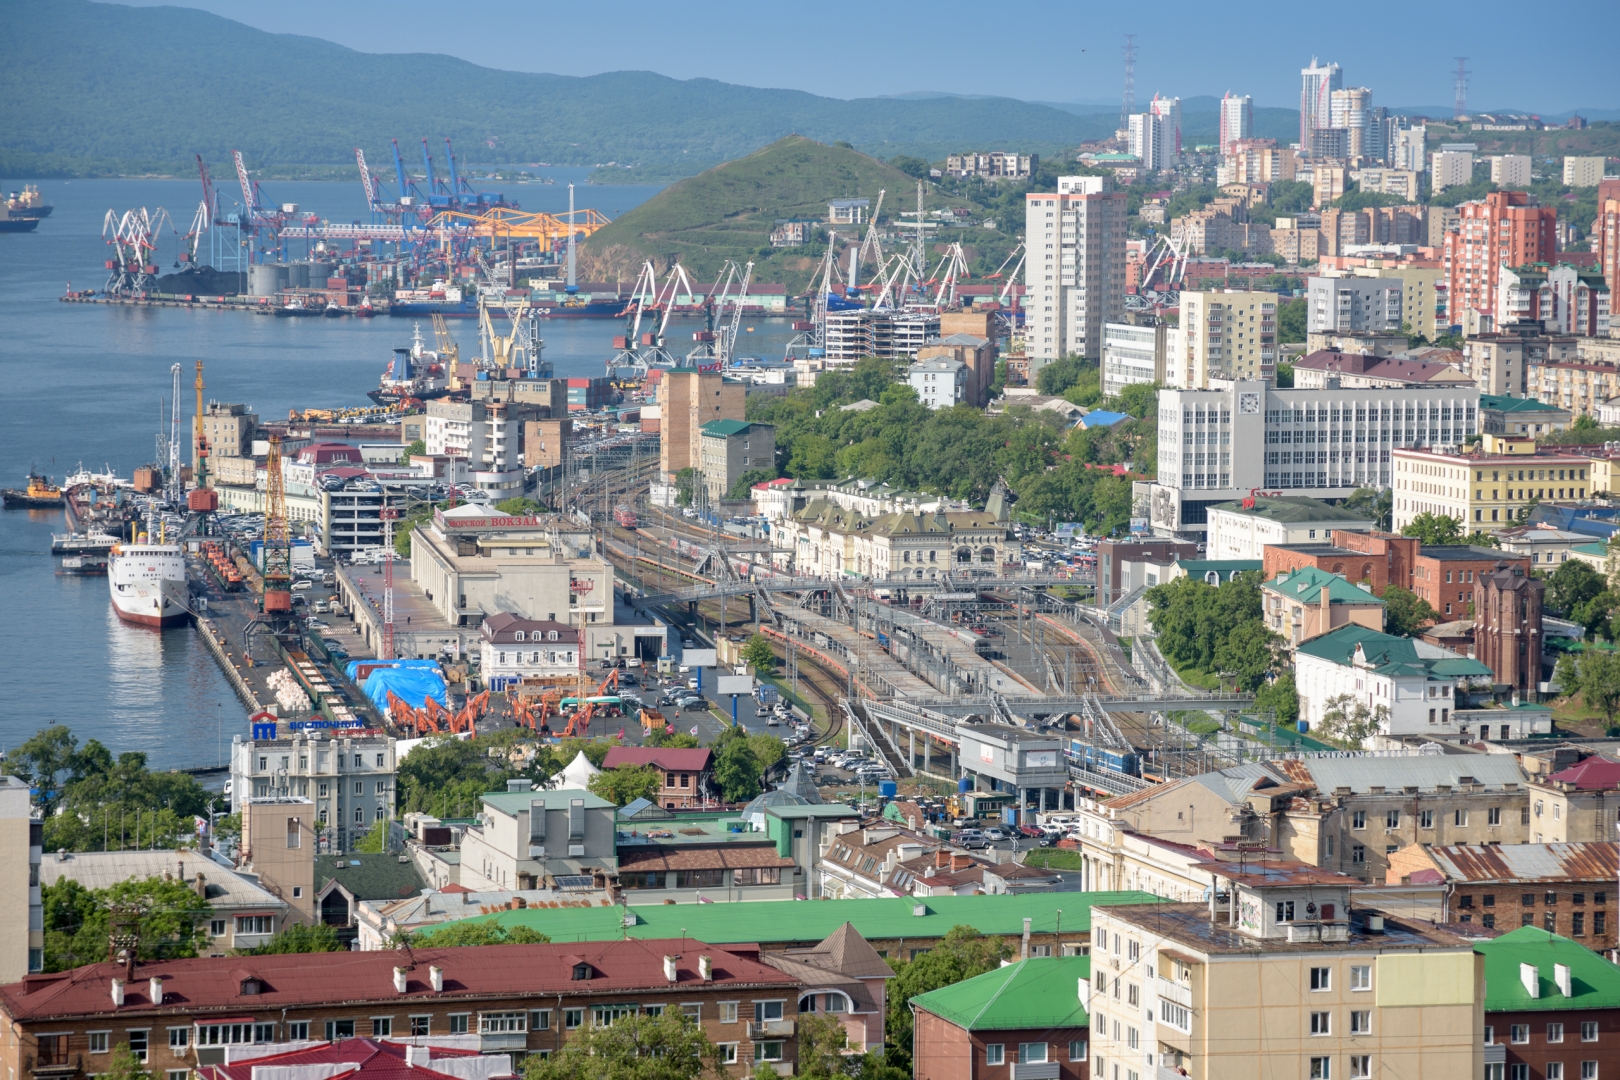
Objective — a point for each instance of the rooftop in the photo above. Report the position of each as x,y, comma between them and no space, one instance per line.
876,918
1291,509
1594,983
1591,861
100,869
1465,553
1593,774
681,759
1388,655
369,875
1306,585
1503,403
1190,924
513,803
364,1059
720,429
200,988
1041,992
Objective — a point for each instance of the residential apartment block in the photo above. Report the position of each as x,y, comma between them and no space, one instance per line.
1224,335
1075,274
1504,229
21,843
1135,353
348,778
1353,304
687,400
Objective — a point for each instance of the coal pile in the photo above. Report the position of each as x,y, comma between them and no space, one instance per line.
203,281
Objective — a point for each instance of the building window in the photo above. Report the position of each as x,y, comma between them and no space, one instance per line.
216,928
1321,1023
1077,1050
1555,1033
1358,819
297,1030
1321,1069
1555,1070
1361,1022
1577,924
98,1042
1518,1070
1426,817
1361,977
728,1012
1285,911
1459,818
1360,1066
382,1026
1032,1053
1493,816
573,1018
339,1029
421,1026
1392,819
1549,922
1519,1034
179,1039
458,1023
255,924
1321,978
1589,1070
768,1051
502,1023
1358,854
728,1053
994,1054
539,1019
1589,1031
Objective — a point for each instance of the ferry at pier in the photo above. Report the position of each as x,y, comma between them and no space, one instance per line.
148,583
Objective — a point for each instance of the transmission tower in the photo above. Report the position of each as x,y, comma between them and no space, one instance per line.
277,539
388,514
1129,105
1462,86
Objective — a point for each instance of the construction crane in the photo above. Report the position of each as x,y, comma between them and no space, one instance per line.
372,202
870,249
449,352
389,515
175,489
728,333
952,266
495,350
277,540
133,236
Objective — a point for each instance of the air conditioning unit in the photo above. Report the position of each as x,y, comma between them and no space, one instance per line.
576,850
536,851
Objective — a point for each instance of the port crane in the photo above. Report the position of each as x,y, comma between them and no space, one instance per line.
133,237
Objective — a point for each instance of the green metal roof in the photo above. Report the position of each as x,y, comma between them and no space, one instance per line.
762,921
1292,508
1387,654
1305,585
1600,550
1041,992
1594,982
1200,567
513,803
369,875
719,429
1504,403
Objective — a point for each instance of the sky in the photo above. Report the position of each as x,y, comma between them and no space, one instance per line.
1037,51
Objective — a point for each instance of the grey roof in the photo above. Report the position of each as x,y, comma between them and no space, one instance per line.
100,869
1234,784
800,783
972,340
1423,771
513,803
1291,508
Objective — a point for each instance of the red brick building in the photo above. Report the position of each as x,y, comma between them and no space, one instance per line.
1507,627
180,1014
1447,575
1024,1021
683,771
1381,559
1552,1008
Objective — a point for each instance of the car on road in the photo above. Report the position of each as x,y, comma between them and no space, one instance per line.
970,839
318,624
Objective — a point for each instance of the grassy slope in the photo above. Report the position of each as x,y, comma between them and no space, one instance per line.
728,211
84,83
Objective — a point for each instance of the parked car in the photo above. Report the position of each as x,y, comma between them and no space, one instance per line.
996,832
970,838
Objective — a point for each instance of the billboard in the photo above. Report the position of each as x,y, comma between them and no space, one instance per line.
699,657
734,684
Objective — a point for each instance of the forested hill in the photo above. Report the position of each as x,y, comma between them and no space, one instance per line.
87,87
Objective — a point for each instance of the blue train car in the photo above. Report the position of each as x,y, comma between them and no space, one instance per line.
1127,762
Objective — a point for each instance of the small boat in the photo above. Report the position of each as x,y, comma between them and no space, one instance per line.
84,566
295,308
40,494
365,310
333,311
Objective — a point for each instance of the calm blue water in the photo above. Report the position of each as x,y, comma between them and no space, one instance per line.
82,383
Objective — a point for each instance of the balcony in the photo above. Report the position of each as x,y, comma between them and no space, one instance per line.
495,1042
1043,1070
1176,992
770,1029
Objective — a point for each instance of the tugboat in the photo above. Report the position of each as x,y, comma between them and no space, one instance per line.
40,494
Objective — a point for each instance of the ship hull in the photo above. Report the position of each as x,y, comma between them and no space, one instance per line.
147,584
18,500
17,224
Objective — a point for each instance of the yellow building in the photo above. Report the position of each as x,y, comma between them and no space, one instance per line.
1274,976
1227,334
1486,489
1419,299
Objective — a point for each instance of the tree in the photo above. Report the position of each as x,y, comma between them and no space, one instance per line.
1376,503
914,167
757,654
1595,676
1248,657
736,769
412,449
626,783
1207,627
767,750
1281,696
1571,585
1349,723
1291,321
678,740
480,932
375,841
686,484
1285,376
299,939
743,489
1438,529
822,1039
173,920
961,954
124,1065
43,759
1405,613
669,1046
1060,375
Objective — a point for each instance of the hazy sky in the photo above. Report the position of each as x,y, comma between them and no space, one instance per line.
1546,57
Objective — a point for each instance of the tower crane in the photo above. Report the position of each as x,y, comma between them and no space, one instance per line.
176,489
277,540
870,249
728,333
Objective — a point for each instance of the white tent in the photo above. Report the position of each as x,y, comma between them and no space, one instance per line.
577,774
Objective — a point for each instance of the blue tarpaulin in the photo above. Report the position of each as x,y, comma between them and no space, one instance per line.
412,681
839,303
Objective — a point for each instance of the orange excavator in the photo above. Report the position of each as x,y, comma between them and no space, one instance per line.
579,724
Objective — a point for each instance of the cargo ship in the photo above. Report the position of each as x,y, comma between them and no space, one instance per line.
415,373
40,494
21,212
148,583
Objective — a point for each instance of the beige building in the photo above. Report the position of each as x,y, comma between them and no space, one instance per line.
349,778
1575,805
278,848
1500,363
1074,277
1275,976
1329,182
1294,243
1510,170
1583,171
1486,489
523,839
1402,182
687,400
21,840
828,539
1419,294
1442,219
228,430
1228,334
1307,603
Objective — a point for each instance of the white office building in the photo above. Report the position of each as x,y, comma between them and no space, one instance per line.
1450,166
1147,141
1317,84
940,383
1168,111
1133,354
1074,276
1220,444
1237,120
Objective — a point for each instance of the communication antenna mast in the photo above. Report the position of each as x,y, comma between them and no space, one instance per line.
388,514
1129,104
1462,86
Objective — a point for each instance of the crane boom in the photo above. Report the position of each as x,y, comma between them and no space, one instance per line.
365,178
399,170
456,183
208,189
427,163
248,200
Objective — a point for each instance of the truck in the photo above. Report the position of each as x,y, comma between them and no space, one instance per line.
765,694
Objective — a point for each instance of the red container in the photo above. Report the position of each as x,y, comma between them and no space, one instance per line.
621,341
703,335
203,500
648,339
802,325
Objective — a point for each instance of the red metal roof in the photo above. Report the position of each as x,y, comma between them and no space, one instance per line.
212,986
1593,774
376,1060
678,758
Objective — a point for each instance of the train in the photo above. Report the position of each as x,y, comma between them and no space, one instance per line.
625,517
1128,762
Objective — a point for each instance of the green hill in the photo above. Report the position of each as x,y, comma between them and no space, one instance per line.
88,87
729,211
